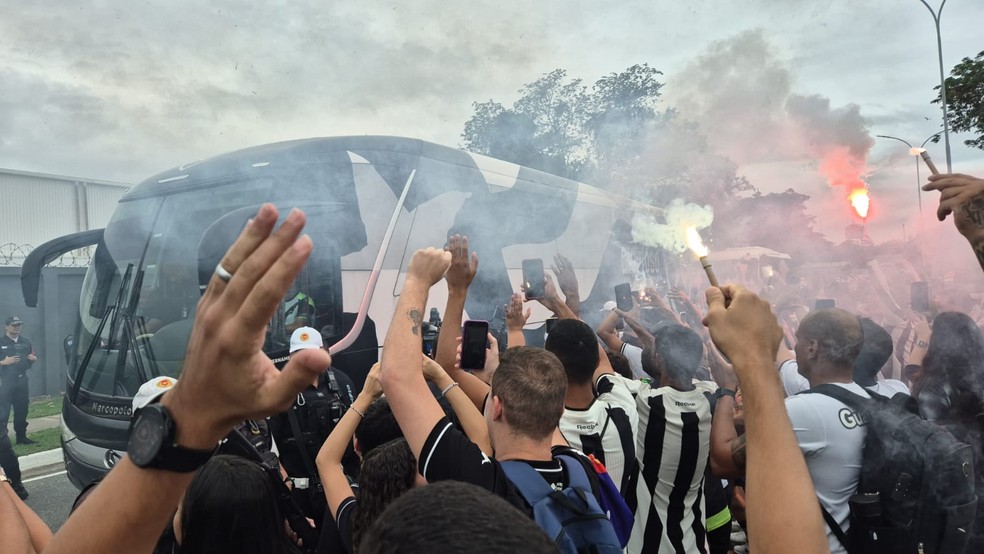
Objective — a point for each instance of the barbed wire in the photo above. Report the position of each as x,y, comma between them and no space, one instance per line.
13,255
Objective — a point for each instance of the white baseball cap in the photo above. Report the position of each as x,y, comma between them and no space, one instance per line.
609,306
151,390
305,337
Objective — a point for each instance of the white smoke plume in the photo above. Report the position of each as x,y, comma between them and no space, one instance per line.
671,232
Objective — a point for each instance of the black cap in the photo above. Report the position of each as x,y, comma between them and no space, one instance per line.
14,320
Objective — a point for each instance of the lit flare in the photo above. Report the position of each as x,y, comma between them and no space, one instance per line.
697,245
860,201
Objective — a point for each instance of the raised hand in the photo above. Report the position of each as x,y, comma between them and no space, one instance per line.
566,278
742,326
428,266
516,316
463,268
226,377
372,387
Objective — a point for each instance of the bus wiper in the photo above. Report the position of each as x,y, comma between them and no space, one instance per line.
129,336
124,282
110,310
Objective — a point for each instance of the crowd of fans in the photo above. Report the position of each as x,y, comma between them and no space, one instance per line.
701,432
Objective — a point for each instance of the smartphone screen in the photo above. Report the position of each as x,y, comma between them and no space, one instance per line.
824,303
919,296
533,278
623,297
474,338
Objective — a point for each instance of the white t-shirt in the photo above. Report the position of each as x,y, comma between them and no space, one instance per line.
794,383
673,445
614,445
831,437
634,355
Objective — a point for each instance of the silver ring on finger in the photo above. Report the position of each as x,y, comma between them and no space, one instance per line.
222,273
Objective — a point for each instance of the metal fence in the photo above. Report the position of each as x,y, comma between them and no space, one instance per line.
13,255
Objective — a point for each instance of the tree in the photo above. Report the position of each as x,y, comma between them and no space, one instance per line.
558,126
965,99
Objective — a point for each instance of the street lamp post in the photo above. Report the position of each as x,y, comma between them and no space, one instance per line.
914,152
939,51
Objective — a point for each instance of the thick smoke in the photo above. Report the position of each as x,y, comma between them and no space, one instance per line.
741,95
671,233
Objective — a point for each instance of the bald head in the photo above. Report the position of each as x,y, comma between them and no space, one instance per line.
831,336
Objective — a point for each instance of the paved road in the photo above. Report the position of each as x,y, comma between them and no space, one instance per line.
51,497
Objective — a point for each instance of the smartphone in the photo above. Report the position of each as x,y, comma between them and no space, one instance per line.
474,340
623,297
533,278
550,322
824,303
919,297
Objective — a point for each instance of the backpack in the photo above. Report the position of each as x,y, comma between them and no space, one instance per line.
916,488
572,517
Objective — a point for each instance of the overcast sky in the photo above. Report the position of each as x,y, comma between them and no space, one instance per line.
122,90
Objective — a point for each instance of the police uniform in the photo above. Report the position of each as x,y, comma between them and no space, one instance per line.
14,381
301,430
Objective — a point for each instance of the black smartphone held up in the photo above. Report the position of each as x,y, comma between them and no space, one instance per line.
623,297
533,278
824,303
919,297
474,339
549,323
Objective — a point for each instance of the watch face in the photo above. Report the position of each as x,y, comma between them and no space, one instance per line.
147,436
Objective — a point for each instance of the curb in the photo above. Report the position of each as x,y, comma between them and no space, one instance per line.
41,459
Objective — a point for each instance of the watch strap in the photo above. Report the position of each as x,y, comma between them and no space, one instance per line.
173,457
724,392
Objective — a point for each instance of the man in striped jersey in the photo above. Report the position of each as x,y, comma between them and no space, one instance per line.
600,416
672,448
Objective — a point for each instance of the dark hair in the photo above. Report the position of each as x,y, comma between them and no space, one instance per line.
680,351
837,332
956,356
531,384
649,365
231,506
576,346
426,520
388,471
620,364
378,427
876,349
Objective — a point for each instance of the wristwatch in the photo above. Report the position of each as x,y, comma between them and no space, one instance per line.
152,443
724,392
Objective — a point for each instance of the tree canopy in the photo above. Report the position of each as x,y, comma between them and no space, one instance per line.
965,99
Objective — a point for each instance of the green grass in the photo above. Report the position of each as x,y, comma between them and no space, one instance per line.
44,406
47,439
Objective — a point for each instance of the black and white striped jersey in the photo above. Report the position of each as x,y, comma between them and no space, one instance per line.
673,445
607,429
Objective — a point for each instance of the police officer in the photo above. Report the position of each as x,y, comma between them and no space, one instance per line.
16,357
300,431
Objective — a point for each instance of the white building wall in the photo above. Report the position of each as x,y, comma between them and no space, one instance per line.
37,207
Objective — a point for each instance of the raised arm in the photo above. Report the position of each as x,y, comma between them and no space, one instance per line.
401,374
471,419
567,280
606,332
329,461
727,447
645,337
516,318
746,331
226,379
15,536
459,277
963,196
551,299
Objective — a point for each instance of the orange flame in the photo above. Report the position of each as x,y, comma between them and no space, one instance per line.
860,201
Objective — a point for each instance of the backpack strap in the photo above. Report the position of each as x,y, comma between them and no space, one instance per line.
838,532
534,488
302,448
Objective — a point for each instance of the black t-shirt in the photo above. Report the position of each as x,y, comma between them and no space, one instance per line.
448,454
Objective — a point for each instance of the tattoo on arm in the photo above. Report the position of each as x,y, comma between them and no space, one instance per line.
975,211
738,454
416,318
